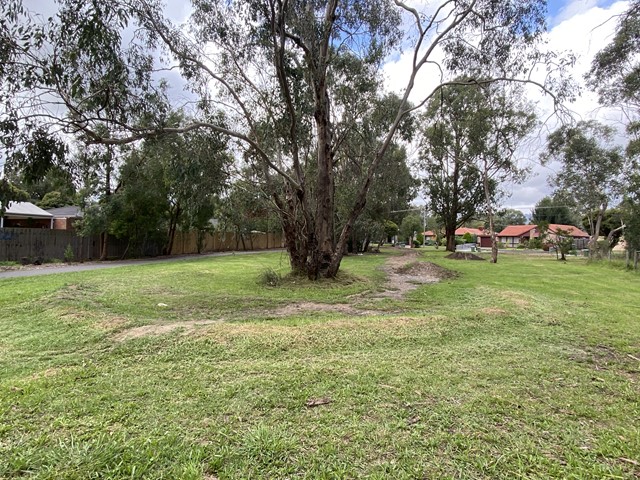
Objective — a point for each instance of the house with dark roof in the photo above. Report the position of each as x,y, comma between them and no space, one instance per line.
64,218
25,215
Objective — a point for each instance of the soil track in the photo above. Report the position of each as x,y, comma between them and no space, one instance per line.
405,273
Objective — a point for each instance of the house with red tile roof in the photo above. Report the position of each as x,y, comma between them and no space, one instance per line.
514,235
580,238
575,232
429,235
473,231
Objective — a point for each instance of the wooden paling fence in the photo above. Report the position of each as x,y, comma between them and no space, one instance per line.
35,243
185,243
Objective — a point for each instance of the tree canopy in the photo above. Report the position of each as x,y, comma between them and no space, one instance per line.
469,141
591,170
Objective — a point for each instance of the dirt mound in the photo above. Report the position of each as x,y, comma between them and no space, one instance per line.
463,256
424,268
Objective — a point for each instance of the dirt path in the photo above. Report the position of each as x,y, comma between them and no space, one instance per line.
404,273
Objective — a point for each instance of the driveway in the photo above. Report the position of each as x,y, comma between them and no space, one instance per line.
50,268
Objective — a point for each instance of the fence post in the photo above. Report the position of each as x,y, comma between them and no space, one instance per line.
635,260
628,258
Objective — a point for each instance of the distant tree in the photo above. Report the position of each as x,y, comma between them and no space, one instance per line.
242,209
562,241
10,193
508,121
630,208
450,144
506,217
393,190
411,225
390,229
96,168
612,227
554,209
591,170
484,126
55,199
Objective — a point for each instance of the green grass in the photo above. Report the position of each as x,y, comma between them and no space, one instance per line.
524,369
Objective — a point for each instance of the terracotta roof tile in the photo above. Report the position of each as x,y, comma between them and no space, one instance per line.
516,230
574,231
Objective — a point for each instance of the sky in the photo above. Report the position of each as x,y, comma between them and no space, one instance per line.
581,26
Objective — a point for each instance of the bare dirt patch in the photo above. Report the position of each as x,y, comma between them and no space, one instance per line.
310,307
112,322
162,328
463,256
404,274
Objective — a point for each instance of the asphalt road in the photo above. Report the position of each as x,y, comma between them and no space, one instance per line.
50,269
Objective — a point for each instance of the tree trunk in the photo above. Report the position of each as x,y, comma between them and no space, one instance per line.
487,199
104,245
365,244
107,194
171,234
324,251
611,235
595,234
450,235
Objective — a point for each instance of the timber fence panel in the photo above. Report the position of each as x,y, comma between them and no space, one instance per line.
45,244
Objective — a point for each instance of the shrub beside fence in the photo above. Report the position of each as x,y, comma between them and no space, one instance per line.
37,243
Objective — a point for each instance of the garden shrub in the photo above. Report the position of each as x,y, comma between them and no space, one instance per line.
270,278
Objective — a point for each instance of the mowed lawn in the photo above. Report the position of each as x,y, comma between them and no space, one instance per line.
525,369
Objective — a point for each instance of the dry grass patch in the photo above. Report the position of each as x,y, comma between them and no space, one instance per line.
493,311
519,299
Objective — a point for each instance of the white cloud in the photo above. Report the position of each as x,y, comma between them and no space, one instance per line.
571,9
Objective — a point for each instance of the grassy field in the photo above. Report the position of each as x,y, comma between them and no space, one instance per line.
525,369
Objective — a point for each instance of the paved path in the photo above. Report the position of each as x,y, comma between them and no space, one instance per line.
49,269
